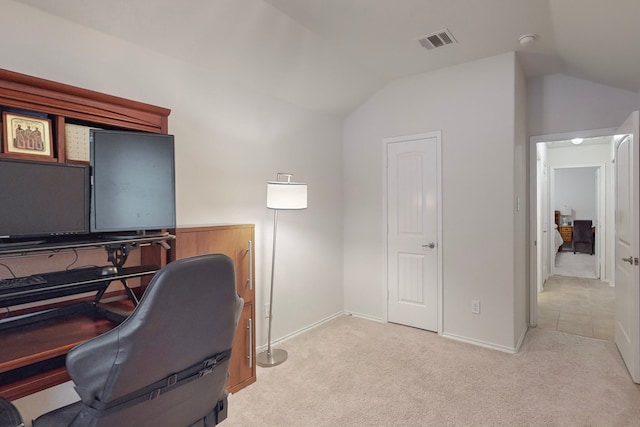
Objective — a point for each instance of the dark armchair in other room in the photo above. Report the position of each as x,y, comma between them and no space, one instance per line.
583,238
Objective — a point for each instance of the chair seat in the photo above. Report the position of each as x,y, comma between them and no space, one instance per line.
65,416
61,417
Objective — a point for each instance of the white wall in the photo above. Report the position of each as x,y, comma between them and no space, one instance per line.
559,103
576,188
473,105
521,245
229,142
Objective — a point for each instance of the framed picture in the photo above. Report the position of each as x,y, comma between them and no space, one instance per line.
26,137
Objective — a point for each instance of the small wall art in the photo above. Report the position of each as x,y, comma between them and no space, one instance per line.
27,137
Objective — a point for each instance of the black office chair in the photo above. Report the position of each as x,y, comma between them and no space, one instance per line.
166,365
583,236
9,415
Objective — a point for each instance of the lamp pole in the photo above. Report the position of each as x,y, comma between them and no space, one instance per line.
283,195
272,357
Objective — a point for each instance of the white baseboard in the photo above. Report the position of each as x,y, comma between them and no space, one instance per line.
301,331
522,336
480,343
365,316
504,349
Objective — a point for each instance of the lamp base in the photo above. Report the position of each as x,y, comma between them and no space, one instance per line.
267,360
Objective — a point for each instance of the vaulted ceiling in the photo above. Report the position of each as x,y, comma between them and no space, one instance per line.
332,54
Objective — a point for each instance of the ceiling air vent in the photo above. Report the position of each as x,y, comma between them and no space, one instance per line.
437,39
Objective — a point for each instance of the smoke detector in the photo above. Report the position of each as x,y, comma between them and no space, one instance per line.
526,39
437,39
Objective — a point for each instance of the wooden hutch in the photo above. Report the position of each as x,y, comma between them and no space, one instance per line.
32,357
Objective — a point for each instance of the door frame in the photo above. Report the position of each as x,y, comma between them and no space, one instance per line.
533,221
385,142
600,207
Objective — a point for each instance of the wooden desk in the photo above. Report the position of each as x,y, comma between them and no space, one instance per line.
33,356
38,352
34,341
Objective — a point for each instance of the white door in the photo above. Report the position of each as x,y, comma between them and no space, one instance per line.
412,238
627,294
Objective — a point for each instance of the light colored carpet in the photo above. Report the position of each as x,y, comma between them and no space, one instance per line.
355,372
575,265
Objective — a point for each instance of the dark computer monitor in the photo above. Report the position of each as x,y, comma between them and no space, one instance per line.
39,199
133,181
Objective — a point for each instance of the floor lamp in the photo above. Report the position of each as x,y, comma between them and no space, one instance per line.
281,195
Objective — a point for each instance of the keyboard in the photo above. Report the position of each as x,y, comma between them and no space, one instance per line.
56,284
22,282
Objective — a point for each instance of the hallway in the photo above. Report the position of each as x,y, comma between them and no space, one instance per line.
577,306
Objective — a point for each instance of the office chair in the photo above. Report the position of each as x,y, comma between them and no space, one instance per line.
166,365
9,415
583,236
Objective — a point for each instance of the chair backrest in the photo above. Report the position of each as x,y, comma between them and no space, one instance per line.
188,314
582,230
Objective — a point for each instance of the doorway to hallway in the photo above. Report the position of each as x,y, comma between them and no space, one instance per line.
573,183
622,236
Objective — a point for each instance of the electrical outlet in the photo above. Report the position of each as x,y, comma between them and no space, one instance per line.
475,306
266,310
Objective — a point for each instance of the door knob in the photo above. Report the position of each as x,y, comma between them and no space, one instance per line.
429,245
629,260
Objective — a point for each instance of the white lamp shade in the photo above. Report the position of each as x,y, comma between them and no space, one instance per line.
566,211
286,195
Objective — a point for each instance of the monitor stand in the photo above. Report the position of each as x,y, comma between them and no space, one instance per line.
28,243
135,235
